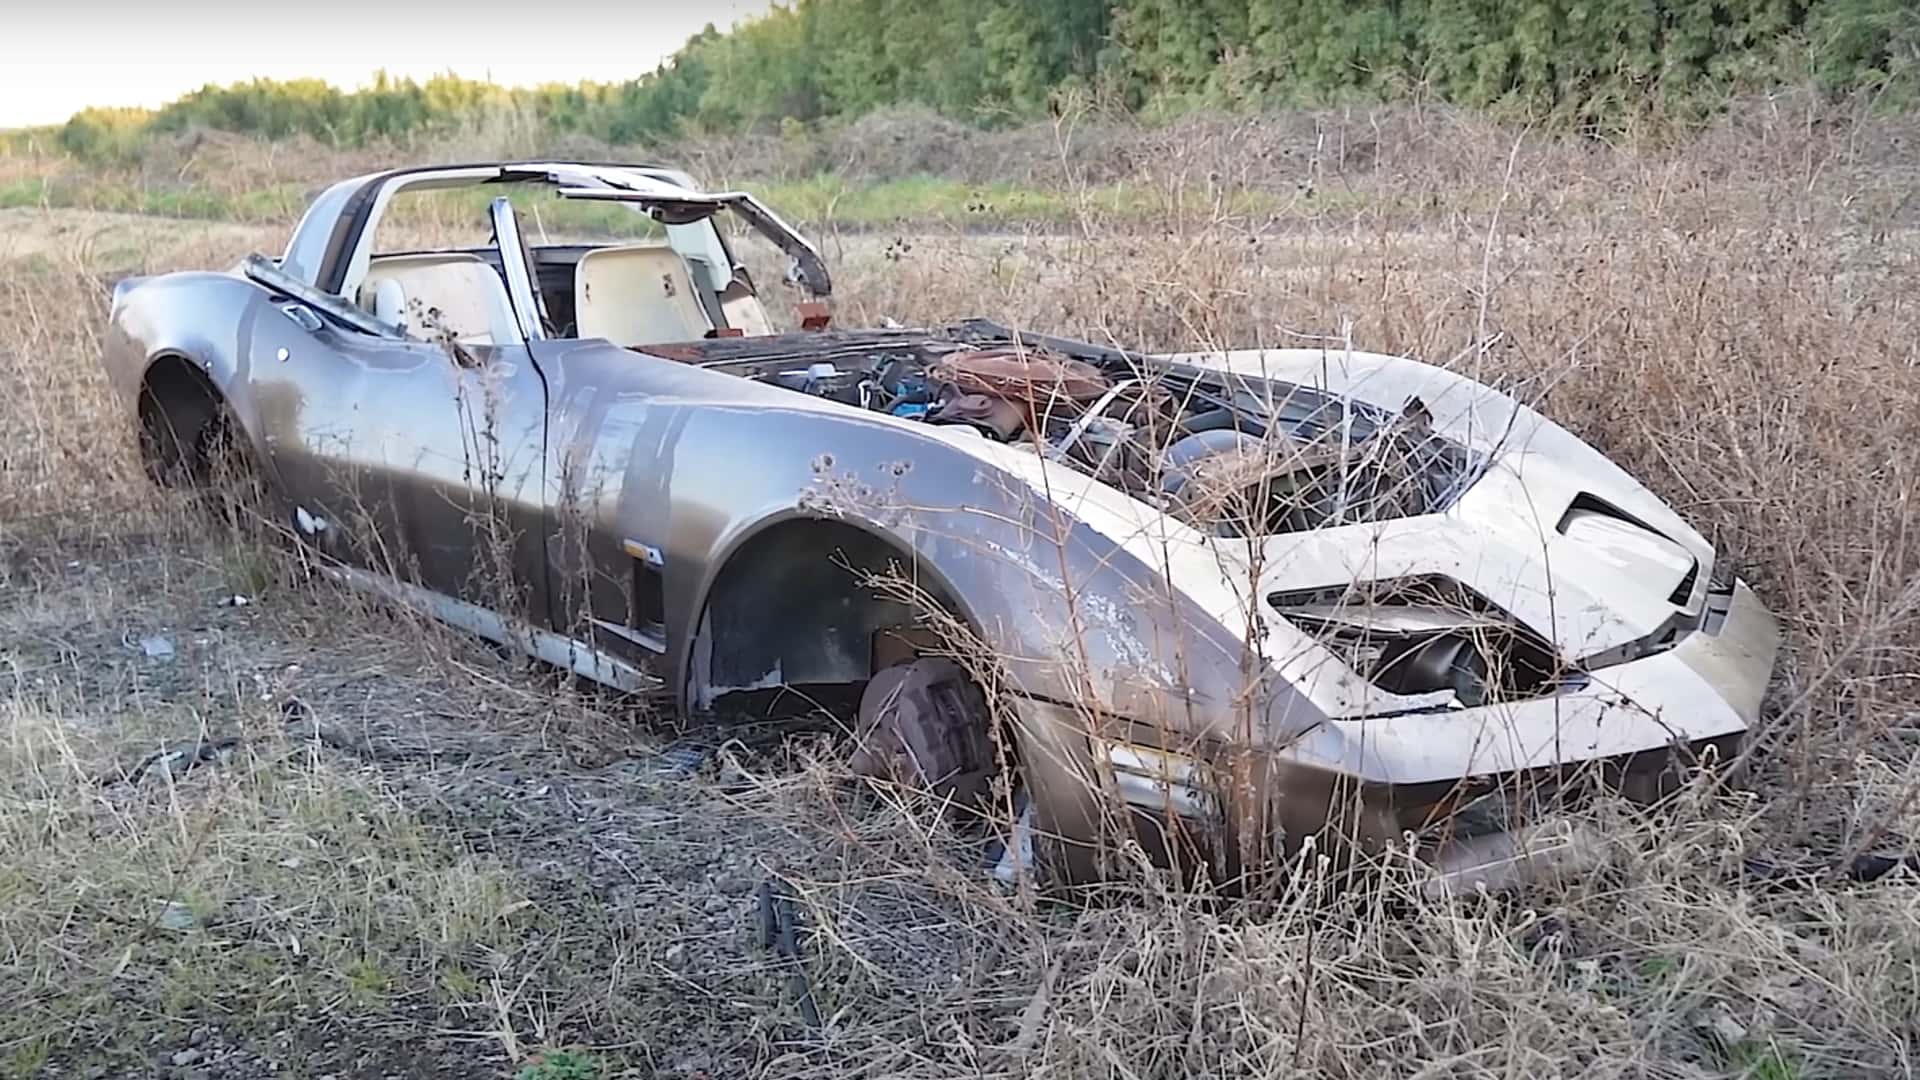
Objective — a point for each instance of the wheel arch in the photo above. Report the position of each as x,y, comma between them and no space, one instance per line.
177,397
741,636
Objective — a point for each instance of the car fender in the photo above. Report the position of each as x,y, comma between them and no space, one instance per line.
203,318
1074,613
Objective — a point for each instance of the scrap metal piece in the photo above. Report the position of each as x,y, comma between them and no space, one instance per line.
813,315
174,761
1010,858
681,760
779,933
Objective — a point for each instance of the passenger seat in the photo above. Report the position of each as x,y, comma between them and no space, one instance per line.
639,294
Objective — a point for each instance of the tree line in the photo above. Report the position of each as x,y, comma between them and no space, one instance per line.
1584,62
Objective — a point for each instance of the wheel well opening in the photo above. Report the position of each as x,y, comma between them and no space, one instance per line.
178,404
794,610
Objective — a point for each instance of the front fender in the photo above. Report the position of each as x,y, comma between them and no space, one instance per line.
1063,579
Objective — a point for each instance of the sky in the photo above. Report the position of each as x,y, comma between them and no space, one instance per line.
59,56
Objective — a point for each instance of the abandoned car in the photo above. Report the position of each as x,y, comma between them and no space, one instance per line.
1208,605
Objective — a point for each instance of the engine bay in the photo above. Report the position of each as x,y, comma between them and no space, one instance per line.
1228,455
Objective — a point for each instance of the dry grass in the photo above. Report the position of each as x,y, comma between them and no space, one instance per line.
1736,320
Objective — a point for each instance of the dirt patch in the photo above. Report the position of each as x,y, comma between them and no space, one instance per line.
417,857
551,879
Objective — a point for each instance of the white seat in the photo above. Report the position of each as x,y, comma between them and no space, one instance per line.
390,302
639,294
455,291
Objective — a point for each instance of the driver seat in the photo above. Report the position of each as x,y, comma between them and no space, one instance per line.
453,290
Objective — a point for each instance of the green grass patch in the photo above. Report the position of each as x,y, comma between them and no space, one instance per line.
1766,1060
826,198
562,1065
818,200
269,204
26,191
113,194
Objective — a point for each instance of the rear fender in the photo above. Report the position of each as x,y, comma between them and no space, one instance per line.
203,320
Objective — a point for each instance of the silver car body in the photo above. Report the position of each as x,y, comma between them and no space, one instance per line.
680,514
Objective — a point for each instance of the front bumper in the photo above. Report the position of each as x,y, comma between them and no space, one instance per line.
1707,685
1360,785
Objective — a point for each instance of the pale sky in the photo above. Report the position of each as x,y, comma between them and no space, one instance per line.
59,56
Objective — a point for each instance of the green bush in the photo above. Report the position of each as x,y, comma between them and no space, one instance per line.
104,134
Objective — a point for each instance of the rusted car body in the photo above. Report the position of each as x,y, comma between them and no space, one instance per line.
1237,598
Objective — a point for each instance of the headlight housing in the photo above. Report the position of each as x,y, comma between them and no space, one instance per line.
1639,553
1421,636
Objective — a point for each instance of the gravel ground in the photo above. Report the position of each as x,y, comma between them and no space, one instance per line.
629,882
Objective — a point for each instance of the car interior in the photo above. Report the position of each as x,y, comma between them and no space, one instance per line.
630,294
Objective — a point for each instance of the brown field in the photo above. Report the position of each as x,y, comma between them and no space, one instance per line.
415,857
